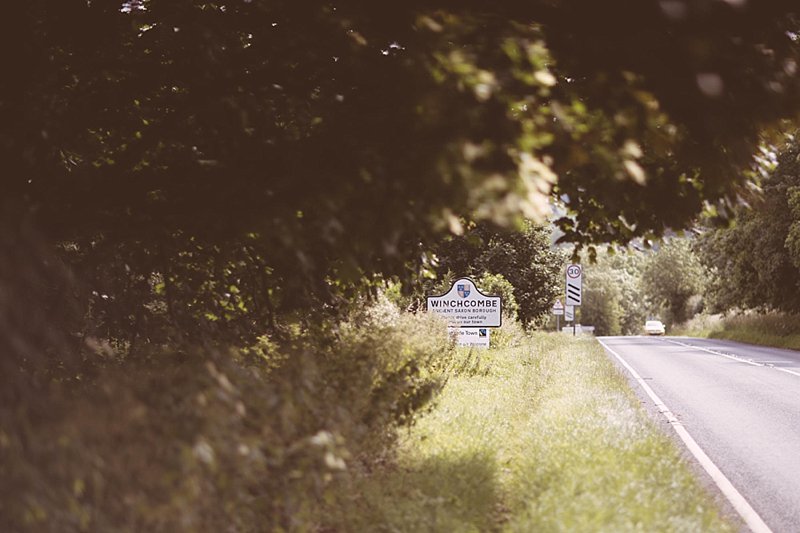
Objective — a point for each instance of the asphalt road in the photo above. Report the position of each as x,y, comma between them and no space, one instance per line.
740,403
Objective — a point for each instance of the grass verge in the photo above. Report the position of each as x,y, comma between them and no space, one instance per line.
545,436
773,329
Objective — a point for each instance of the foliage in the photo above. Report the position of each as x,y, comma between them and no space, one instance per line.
755,261
780,330
700,325
672,277
498,285
313,146
614,301
238,175
547,438
218,169
601,306
202,439
525,258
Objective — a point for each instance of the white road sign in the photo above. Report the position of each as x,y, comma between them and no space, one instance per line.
477,337
558,308
574,284
569,316
465,306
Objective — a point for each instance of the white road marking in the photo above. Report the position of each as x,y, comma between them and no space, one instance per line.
738,358
745,510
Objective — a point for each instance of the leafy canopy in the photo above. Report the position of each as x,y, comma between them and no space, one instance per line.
294,150
372,121
756,261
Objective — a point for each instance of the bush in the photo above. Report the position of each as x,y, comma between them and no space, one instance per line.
201,439
498,285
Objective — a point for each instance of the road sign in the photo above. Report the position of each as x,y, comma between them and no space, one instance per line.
475,337
558,308
465,306
569,316
574,284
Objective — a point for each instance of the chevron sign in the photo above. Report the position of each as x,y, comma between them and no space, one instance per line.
574,285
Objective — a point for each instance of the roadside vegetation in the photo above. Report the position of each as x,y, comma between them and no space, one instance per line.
751,289
544,435
625,288
220,220
739,280
774,329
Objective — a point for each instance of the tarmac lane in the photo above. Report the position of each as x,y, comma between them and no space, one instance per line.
739,403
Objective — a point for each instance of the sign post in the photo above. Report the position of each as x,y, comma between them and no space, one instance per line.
570,317
469,313
574,289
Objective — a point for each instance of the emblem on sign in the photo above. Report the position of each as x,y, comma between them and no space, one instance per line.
463,290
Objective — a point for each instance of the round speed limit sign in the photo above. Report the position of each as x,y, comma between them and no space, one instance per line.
574,271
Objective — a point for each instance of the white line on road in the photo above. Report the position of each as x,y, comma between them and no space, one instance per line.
748,514
736,357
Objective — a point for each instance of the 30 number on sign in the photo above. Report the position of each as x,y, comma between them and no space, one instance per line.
574,271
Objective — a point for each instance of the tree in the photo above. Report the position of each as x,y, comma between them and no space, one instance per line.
295,123
755,260
672,276
525,258
224,167
614,299
601,307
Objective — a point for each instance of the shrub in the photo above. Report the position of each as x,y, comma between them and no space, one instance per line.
498,285
204,439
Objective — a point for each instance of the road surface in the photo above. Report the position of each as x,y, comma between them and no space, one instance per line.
740,403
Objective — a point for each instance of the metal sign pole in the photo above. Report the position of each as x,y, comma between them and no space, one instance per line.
574,322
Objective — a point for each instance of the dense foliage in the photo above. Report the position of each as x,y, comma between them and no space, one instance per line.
615,300
674,279
212,167
524,258
256,439
334,139
197,196
623,290
756,261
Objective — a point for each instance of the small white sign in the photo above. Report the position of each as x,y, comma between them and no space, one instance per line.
558,308
574,284
465,306
477,337
570,314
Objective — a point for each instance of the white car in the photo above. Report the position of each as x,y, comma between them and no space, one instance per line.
654,327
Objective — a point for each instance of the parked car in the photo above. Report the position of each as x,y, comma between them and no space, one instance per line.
654,327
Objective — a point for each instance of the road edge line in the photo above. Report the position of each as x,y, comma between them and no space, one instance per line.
739,503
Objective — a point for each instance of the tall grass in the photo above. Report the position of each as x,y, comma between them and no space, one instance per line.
779,330
547,437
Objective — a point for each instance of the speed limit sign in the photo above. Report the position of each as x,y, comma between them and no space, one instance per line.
574,284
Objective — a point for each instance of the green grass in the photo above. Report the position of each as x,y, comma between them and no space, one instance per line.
773,329
546,436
